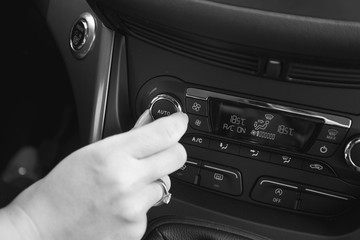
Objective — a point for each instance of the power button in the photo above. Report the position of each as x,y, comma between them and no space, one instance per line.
323,149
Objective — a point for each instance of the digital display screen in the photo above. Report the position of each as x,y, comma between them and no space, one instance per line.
262,126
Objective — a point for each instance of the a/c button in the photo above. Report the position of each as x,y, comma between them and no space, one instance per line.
196,140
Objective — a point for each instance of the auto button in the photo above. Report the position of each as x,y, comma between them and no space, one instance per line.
164,105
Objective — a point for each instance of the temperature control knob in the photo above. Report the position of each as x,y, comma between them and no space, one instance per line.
352,153
164,105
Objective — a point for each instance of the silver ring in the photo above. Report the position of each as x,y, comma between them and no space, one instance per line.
166,195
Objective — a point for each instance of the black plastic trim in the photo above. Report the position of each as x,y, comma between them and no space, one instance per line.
249,27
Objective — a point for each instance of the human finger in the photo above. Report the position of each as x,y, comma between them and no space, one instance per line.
144,119
155,136
167,181
165,196
145,198
162,163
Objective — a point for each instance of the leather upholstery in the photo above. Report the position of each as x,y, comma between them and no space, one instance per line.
189,229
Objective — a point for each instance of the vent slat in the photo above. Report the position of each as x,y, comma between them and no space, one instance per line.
325,75
323,79
324,69
234,60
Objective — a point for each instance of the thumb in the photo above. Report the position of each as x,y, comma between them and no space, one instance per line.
144,119
156,136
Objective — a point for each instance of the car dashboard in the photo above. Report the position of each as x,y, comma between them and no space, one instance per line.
272,91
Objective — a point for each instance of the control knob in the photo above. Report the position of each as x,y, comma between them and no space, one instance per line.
82,35
352,153
164,105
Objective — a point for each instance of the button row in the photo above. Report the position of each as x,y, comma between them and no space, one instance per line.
218,178
297,197
197,111
319,148
253,153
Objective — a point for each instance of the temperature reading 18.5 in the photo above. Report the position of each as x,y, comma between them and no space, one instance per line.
234,119
282,129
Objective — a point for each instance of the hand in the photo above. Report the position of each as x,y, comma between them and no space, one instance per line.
104,190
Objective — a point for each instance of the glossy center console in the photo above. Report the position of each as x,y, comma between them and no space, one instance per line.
272,101
230,135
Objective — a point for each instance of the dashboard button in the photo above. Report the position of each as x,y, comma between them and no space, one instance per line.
254,153
196,140
164,105
196,106
276,193
273,69
188,173
285,160
323,149
332,134
317,167
221,179
199,123
224,146
193,162
320,202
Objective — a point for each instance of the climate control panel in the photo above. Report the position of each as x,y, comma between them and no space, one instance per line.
256,150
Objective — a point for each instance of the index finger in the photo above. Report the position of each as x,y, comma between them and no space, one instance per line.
156,136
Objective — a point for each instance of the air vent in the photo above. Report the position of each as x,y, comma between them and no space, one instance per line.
230,59
325,75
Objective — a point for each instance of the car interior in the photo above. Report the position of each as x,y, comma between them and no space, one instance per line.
271,89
